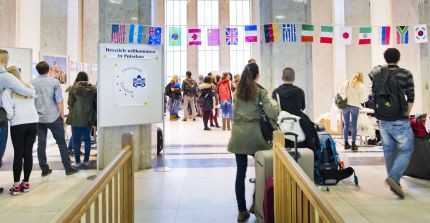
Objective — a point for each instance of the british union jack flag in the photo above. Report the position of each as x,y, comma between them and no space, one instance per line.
232,36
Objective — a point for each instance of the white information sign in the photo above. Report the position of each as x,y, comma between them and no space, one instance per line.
22,58
130,84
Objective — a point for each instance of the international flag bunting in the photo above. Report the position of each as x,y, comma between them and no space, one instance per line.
251,33
289,33
365,37
135,33
231,36
118,33
154,35
345,35
402,34
194,37
213,37
307,33
385,35
326,34
271,33
175,36
421,33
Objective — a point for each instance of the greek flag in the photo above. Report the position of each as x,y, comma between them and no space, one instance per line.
289,33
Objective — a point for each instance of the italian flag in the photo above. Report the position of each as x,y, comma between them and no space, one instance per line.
307,33
326,34
365,36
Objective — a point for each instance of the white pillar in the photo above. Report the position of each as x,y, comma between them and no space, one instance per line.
28,25
381,15
339,50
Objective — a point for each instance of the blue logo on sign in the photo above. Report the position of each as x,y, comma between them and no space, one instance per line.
139,82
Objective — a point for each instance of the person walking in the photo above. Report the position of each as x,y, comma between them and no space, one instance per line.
246,136
189,87
206,100
226,100
393,115
23,117
355,93
50,107
173,91
82,116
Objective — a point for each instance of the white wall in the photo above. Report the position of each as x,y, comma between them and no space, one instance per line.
28,25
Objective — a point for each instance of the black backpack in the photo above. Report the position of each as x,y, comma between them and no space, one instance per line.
389,101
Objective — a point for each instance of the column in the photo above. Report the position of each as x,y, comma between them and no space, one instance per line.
424,10
322,60
339,49
90,32
192,51
29,22
109,139
224,22
255,19
8,10
380,14
53,27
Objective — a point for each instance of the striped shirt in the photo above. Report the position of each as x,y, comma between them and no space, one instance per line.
404,77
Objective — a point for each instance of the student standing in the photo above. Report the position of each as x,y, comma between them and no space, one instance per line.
189,87
225,97
246,136
355,94
207,100
396,131
173,91
23,117
50,107
82,116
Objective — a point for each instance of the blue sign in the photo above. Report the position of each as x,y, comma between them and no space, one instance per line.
139,82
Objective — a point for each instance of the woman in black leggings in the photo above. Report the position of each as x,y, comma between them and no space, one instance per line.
22,114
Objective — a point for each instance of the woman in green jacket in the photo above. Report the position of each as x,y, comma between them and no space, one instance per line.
82,115
246,136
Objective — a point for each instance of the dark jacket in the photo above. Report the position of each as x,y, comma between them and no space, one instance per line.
292,98
82,105
207,95
189,87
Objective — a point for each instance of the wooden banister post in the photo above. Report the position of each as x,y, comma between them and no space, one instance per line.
128,140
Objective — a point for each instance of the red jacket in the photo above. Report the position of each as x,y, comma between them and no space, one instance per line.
224,90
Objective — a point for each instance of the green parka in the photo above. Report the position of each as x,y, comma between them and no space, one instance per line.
82,105
246,135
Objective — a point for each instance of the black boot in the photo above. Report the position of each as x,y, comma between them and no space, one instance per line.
347,146
354,147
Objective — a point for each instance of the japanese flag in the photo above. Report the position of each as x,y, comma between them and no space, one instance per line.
421,34
344,35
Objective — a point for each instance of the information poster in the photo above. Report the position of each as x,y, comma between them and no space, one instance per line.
130,78
22,59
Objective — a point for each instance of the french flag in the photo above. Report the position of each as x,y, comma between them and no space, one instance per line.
251,34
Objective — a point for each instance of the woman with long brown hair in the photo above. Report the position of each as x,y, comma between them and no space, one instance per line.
246,136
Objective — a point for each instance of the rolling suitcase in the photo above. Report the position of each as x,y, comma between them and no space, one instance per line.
419,164
264,171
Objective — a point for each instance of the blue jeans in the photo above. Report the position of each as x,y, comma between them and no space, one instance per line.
57,130
242,165
398,144
78,134
350,116
226,109
3,140
174,106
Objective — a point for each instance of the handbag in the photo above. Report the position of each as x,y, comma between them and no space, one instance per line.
3,116
266,127
340,102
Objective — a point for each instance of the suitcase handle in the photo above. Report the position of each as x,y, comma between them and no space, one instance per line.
296,152
288,118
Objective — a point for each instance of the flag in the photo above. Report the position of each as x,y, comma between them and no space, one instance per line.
135,33
385,35
271,33
421,33
251,33
175,36
118,33
231,36
326,34
365,36
402,33
345,35
154,35
213,37
194,37
289,33
307,33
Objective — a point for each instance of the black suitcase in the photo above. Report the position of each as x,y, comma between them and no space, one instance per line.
419,164
159,141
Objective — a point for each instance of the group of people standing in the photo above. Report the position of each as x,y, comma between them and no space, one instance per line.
33,108
207,98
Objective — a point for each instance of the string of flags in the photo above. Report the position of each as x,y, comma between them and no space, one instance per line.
134,33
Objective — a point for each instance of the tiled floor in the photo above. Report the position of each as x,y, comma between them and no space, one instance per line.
201,186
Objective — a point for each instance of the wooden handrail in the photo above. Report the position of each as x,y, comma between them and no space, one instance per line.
296,197
110,189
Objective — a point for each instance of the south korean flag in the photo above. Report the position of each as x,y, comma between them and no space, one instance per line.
421,33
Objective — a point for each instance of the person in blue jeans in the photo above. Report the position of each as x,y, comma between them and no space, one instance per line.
396,131
356,94
82,116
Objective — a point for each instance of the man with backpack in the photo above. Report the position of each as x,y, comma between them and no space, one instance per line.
189,87
393,92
